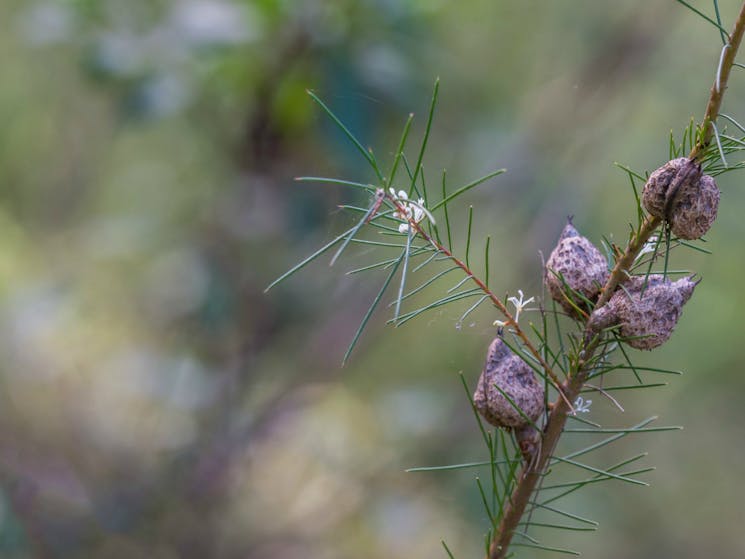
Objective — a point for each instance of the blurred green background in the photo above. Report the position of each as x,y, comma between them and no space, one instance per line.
154,402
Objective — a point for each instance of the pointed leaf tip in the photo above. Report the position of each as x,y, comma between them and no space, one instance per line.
569,230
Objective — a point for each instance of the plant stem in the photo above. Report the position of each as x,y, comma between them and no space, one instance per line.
488,292
720,86
620,270
532,473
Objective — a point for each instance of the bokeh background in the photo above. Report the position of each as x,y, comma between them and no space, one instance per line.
154,402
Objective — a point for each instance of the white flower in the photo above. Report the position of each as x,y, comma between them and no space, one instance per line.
519,303
649,246
581,405
411,210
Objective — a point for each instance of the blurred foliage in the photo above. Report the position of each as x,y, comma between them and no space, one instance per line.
155,403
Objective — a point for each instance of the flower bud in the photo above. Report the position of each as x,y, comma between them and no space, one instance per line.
647,313
515,379
582,266
679,193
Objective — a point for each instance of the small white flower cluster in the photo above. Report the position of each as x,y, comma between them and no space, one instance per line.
413,210
519,304
581,405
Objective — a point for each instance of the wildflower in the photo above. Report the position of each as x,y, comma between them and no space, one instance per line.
581,405
519,303
411,210
649,246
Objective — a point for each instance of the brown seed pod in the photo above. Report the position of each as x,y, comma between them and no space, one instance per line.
646,315
679,193
654,196
515,379
695,210
581,265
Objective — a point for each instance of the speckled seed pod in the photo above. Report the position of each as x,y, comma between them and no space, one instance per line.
691,203
515,378
648,316
695,210
582,266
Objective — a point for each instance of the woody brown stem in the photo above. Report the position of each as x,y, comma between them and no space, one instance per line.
532,473
719,87
489,293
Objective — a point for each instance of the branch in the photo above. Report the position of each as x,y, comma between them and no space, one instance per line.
727,60
533,472
489,293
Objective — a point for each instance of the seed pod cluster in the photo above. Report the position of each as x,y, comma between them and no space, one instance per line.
515,379
646,311
582,267
679,193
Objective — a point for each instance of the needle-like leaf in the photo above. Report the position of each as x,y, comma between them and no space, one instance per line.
404,274
366,153
463,189
704,17
308,260
370,310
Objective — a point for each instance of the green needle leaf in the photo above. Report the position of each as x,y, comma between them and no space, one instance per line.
584,421
367,154
308,260
430,118
489,514
429,282
694,247
447,550
626,357
547,548
624,431
404,273
370,311
468,236
358,185
466,188
626,387
399,151
704,16
609,440
351,235
564,513
472,308
440,302
733,121
448,467
596,478
600,479
599,471
444,204
722,34
564,527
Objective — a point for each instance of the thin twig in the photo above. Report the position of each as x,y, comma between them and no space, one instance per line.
511,322
727,60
